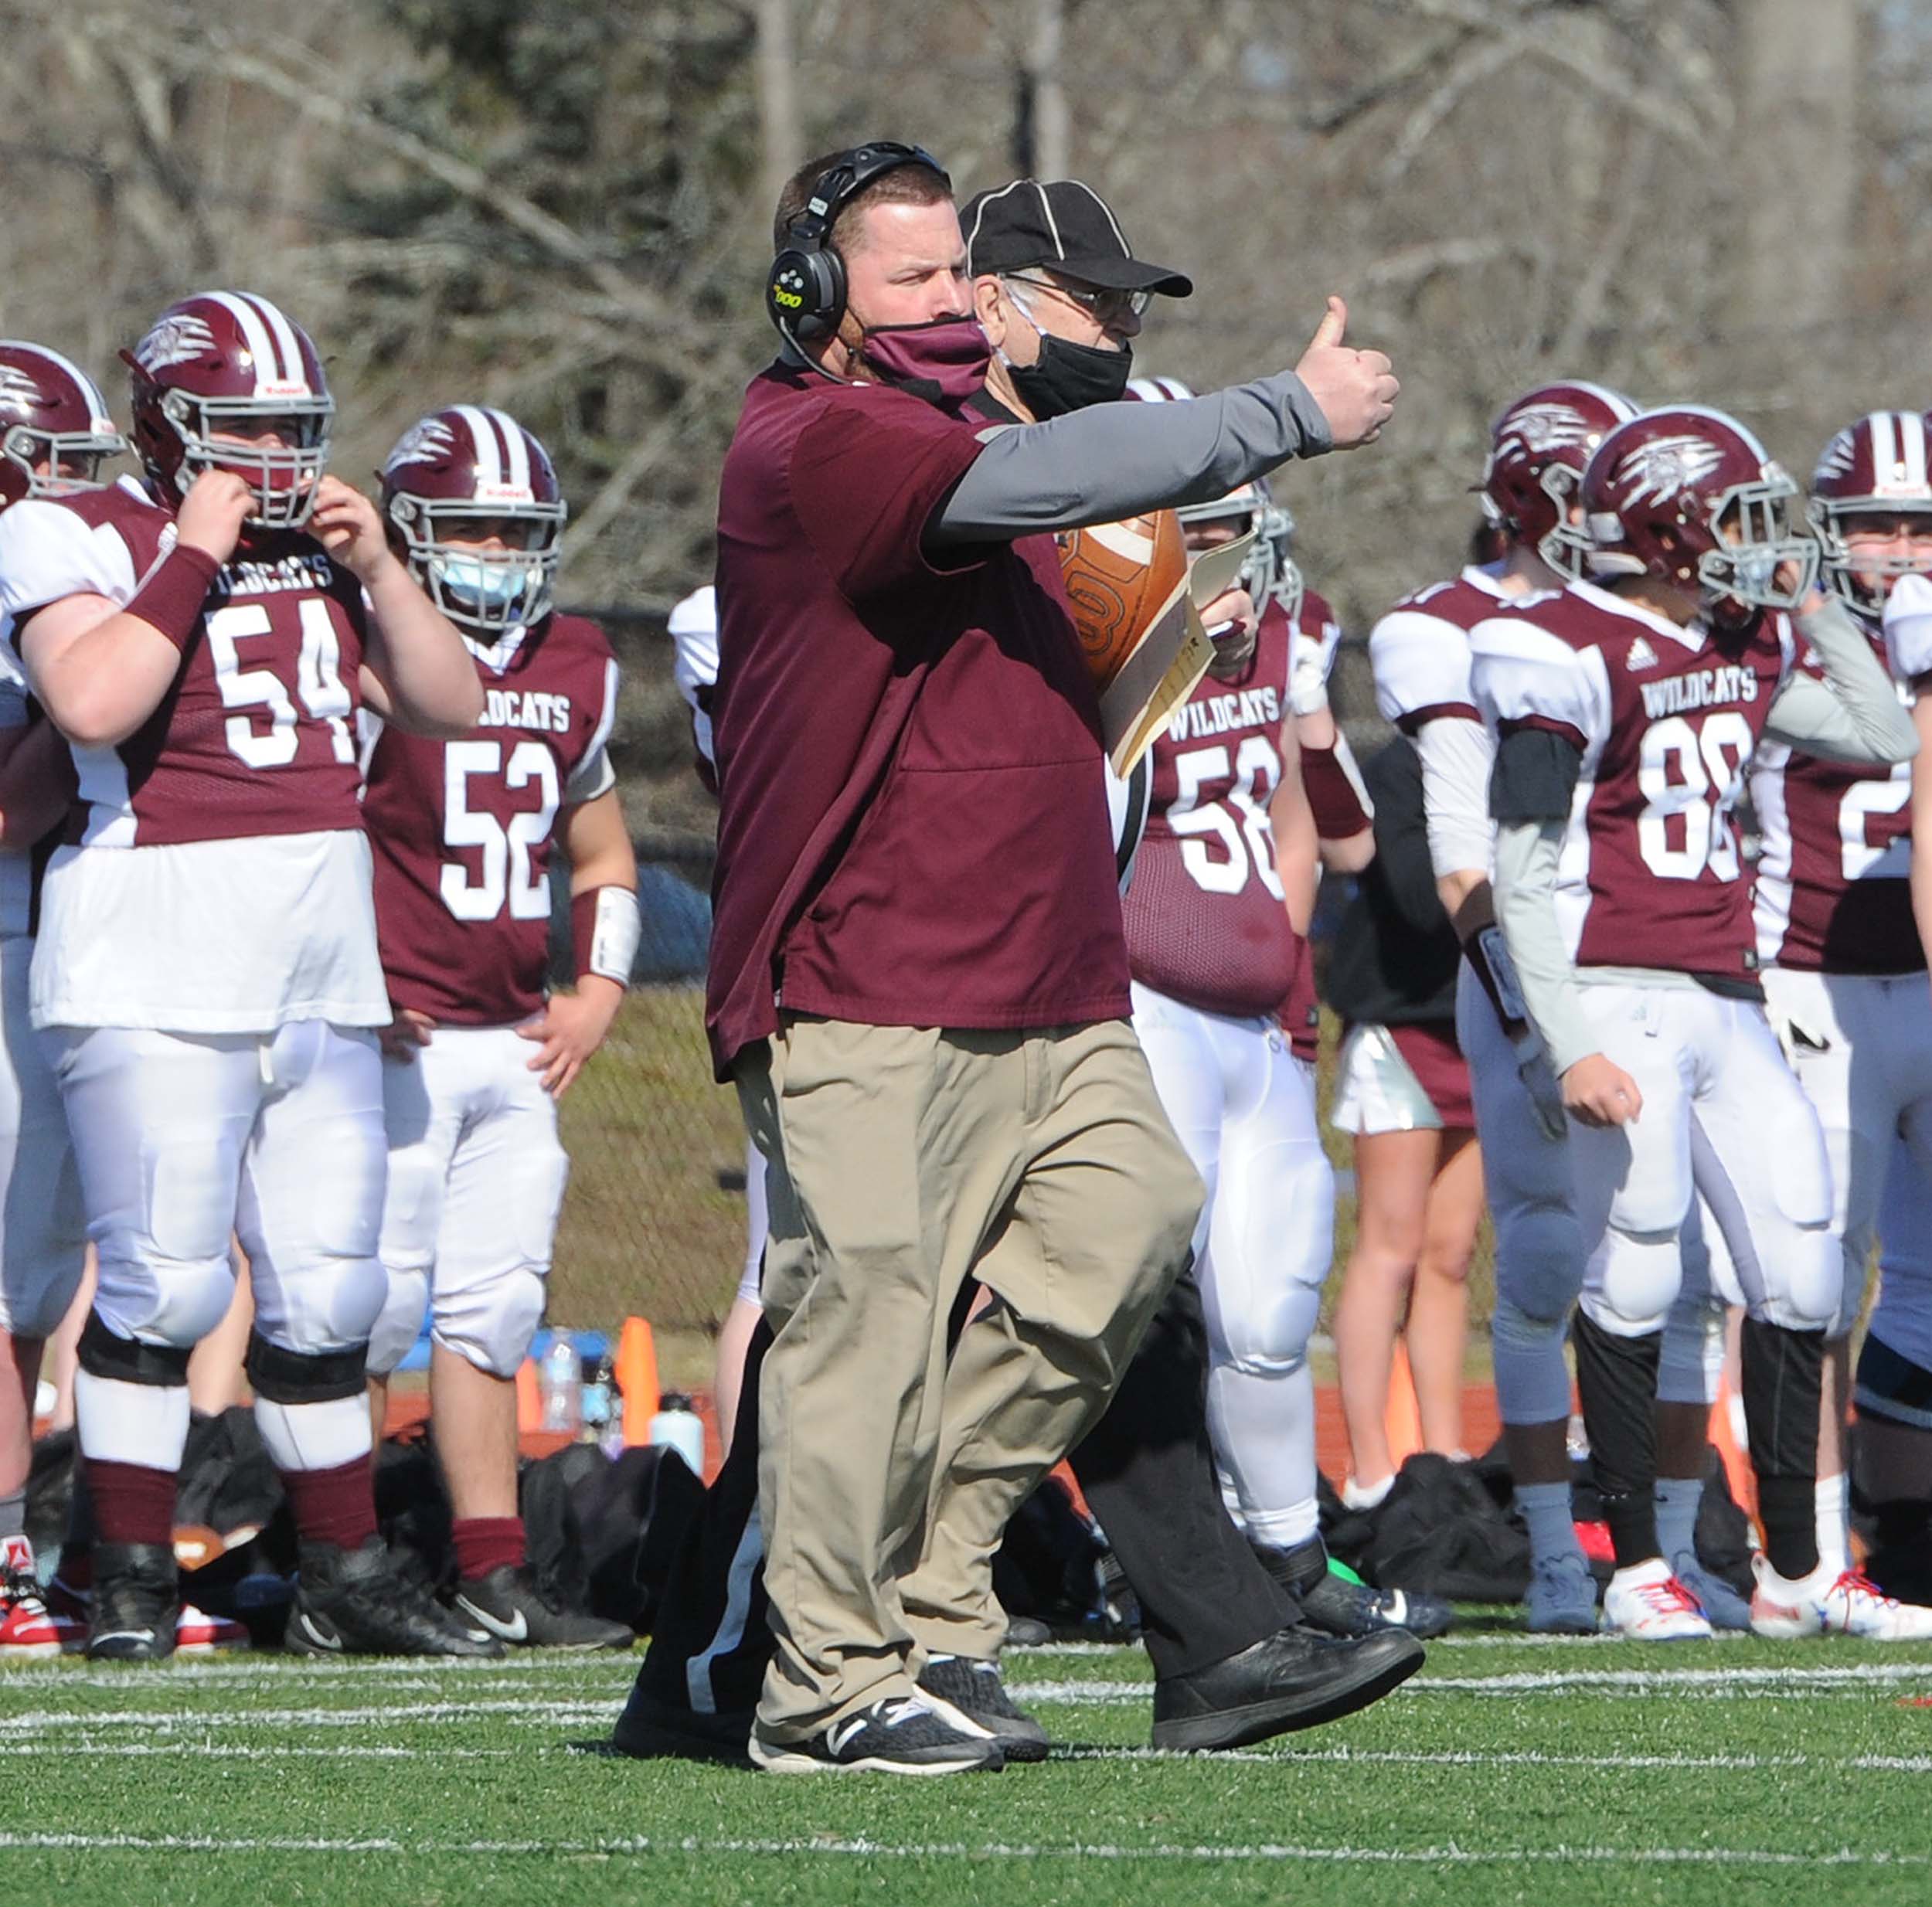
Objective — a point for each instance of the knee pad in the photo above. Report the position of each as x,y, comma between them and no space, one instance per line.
305,1377
1892,1385
490,1325
1634,1280
1268,1337
171,1301
33,1303
1803,1279
326,1303
1539,1261
399,1321
1533,1380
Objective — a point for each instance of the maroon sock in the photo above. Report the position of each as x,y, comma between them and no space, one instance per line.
132,1503
484,1543
333,1506
75,1568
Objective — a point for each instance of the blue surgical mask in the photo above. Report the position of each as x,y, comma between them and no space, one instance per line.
483,585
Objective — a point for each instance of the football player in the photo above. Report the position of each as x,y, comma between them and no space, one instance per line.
1420,653
1628,716
205,974
55,435
462,829
1845,978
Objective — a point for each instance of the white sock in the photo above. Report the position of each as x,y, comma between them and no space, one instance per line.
1553,1531
1835,1522
1356,1495
1678,1498
120,1423
315,1436
1263,1432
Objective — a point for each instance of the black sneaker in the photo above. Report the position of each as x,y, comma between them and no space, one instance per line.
1338,1607
508,1604
651,1727
356,1602
901,1736
1293,1679
136,1594
965,1688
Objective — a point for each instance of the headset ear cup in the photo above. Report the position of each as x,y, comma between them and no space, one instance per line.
805,294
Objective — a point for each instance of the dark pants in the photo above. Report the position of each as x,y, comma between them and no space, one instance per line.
1147,1470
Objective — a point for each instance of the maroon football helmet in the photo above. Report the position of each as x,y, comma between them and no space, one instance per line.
1688,494
1880,466
1538,448
463,473
54,427
213,372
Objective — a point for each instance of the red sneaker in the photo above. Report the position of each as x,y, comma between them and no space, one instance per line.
26,1630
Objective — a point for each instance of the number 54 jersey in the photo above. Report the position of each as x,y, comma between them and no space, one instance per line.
1666,720
462,830
213,878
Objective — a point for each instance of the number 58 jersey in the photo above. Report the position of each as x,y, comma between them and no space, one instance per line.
462,830
1666,720
212,877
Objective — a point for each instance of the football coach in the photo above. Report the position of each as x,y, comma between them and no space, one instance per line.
918,982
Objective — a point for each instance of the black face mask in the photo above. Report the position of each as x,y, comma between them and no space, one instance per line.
1069,377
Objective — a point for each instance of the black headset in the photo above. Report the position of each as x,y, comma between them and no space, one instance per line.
805,293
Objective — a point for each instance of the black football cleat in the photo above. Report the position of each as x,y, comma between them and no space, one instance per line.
1338,1607
967,1688
651,1727
1293,1679
356,1602
506,1604
136,1596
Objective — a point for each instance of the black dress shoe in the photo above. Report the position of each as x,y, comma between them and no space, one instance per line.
1293,1679
651,1727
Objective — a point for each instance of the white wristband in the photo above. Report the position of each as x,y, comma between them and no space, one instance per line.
616,929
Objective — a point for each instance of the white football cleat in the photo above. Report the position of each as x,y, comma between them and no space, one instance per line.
1647,1603
1832,1602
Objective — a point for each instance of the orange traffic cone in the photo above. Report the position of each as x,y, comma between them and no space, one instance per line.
529,1399
1403,1423
636,1371
1738,1472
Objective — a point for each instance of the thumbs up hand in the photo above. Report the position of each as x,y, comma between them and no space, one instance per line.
1355,390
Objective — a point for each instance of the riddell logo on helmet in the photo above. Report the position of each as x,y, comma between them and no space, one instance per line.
505,493
282,387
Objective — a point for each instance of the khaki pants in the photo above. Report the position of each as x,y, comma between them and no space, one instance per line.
903,1161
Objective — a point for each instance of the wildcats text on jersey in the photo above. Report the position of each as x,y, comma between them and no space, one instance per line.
525,708
1220,715
299,569
1700,688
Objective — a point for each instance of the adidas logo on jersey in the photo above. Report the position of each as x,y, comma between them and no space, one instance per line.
1640,655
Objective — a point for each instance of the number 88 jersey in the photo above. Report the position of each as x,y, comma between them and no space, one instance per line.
1666,720
462,830
1206,919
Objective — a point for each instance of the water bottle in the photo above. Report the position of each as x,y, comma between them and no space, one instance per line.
599,1395
680,1428
560,1383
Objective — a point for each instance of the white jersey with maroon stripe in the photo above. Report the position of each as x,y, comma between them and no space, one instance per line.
1206,919
215,878
1651,874
1834,890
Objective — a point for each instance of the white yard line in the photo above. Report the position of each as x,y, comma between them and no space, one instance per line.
204,1720
1450,1855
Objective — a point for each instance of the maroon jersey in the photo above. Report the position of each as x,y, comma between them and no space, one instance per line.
1666,720
1833,891
462,830
254,738
1207,923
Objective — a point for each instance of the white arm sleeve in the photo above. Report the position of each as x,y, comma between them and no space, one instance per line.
1457,755
1855,715
1525,889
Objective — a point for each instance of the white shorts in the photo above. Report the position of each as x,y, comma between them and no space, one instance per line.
43,1232
476,1179
1861,1045
183,1139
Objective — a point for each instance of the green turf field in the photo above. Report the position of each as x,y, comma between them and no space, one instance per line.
1737,1772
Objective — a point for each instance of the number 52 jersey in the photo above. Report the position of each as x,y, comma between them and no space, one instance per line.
1651,873
462,830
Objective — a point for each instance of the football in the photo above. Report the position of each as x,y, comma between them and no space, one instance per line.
1121,579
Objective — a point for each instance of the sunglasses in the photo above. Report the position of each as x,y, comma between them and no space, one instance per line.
1104,307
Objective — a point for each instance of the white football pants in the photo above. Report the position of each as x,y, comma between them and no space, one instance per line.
43,1231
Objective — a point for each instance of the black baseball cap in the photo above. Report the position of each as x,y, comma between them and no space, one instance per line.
1065,227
